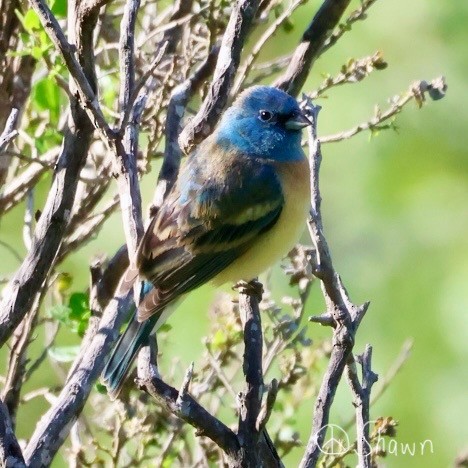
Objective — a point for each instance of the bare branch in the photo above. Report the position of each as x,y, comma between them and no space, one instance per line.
193,413
175,112
85,88
346,316
361,393
54,426
311,44
352,72
247,64
10,451
357,15
14,192
417,91
228,61
9,131
250,402
17,362
267,408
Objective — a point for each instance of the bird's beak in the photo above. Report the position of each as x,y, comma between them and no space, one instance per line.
297,122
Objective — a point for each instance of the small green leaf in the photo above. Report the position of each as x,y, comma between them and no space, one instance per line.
59,312
46,96
31,21
36,52
165,327
64,353
102,389
78,303
59,8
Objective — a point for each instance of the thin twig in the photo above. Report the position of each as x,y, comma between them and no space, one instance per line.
85,89
417,91
361,394
9,131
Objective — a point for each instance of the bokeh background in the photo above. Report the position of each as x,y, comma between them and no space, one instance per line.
396,217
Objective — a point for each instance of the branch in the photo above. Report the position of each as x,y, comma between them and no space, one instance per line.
228,61
9,131
50,229
186,408
55,425
311,45
14,192
126,145
352,72
260,43
85,88
10,450
175,111
436,90
356,15
17,360
361,393
250,402
344,316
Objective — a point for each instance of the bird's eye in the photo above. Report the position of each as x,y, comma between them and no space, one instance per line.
265,115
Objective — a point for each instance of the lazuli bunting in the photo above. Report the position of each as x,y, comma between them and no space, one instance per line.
239,205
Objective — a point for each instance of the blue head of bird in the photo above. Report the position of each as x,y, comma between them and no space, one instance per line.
263,122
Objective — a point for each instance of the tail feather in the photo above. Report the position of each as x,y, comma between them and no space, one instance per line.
125,352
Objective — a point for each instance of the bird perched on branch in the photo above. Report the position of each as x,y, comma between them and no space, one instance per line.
239,205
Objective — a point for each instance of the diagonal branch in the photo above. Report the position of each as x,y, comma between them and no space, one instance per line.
84,86
10,450
311,45
216,99
185,407
50,229
175,111
55,425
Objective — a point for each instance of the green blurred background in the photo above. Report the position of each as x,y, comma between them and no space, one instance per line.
396,218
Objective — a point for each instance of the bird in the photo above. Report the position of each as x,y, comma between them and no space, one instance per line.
239,204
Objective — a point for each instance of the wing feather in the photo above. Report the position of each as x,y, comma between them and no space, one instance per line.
199,232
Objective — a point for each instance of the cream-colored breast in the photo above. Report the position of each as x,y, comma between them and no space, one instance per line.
281,238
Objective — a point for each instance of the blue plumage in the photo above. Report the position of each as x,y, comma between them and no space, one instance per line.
239,204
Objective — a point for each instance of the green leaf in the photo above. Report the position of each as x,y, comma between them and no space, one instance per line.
59,312
165,327
36,52
64,353
78,304
102,389
46,96
31,21
59,8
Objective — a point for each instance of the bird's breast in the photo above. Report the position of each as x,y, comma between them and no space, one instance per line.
274,244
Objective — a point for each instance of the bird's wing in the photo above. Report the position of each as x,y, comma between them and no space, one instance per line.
205,224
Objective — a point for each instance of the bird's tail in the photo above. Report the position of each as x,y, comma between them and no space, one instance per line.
125,352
